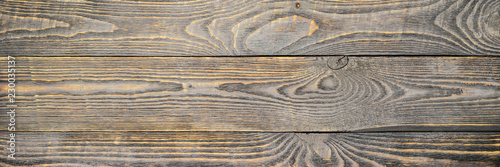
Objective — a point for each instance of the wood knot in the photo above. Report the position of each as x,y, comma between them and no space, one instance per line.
337,62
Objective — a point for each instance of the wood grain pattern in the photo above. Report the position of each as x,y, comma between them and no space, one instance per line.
279,94
254,149
250,27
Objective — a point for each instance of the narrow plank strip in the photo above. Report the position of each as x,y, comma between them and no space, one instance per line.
252,27
255,94
253,149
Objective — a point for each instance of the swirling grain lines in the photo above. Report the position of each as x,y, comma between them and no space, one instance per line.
204,28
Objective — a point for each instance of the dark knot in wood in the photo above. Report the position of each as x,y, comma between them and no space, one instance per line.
337,62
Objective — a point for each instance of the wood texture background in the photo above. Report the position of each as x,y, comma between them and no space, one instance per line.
250,27
256,94
256,111
255,149
167,83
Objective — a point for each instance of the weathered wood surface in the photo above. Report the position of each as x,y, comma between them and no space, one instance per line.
252,27
278,94
254,149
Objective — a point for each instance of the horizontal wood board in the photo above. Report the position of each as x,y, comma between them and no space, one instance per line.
249,27
272,94
253,149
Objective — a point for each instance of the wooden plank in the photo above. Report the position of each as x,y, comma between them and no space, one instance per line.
253,149
253,27
279,94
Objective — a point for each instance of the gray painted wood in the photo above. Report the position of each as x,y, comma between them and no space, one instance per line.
278,94
252,111
254,149
252,27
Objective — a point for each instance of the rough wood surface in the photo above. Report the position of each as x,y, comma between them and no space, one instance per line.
254,149
252,111
250,27
278,94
